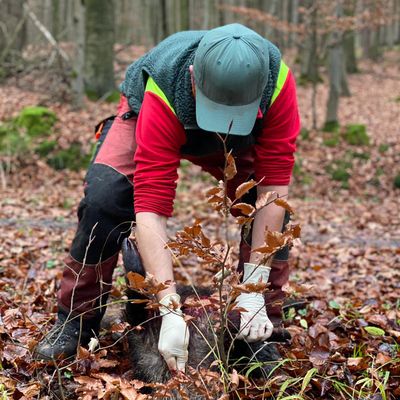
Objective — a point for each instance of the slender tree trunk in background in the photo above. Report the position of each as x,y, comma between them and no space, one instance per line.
344,84
374,49
99,47
313,59
349,40
337,73
390,28
349,47
184,15
69,12
363,5
206,15
310,58
78,87
284,17
221,13
334,85
294,19
12,14
396,22
163,21
55,18
12,32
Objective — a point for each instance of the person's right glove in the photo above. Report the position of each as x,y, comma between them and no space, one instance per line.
254,322
174,334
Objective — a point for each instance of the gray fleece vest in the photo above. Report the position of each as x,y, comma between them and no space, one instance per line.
168,64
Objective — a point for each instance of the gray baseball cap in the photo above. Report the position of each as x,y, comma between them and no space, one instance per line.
231,68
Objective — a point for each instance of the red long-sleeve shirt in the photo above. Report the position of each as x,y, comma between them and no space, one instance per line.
160,136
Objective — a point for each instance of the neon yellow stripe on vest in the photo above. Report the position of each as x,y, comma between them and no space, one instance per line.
152,87
283,72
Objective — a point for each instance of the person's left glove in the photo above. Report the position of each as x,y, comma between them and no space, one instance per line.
254,322
174,334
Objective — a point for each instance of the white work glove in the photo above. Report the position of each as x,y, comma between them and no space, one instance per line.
174,334
254,322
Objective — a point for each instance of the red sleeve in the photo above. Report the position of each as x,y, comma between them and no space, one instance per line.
159,137
274,159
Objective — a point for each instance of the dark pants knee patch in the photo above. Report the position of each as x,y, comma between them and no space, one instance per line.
105,215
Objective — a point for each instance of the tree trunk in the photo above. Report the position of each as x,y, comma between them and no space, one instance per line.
293,18
349,41
55,17
374,49
396,22
349,47
337,71
79,56
310,57
13,30
99,43
184,15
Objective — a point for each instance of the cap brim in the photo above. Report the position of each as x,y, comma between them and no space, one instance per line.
215,117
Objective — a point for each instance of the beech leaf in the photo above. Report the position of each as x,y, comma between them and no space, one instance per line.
136,281
230,170
244,188
212,191
245,208
283,203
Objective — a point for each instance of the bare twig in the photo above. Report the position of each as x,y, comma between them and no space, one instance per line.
46,33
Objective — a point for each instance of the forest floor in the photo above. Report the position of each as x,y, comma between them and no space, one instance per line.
346,338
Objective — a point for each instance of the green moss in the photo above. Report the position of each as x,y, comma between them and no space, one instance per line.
12,140
297,171
397,99
113,97
356,135
45,148
331,126
304,134
339,171
72,158
396,182
361,155
92,95
341,175
38,121
331,137
383,148
331,142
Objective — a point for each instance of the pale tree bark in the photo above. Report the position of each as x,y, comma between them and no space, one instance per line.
99,48
78,87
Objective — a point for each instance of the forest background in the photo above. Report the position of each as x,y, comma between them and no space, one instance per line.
60,65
